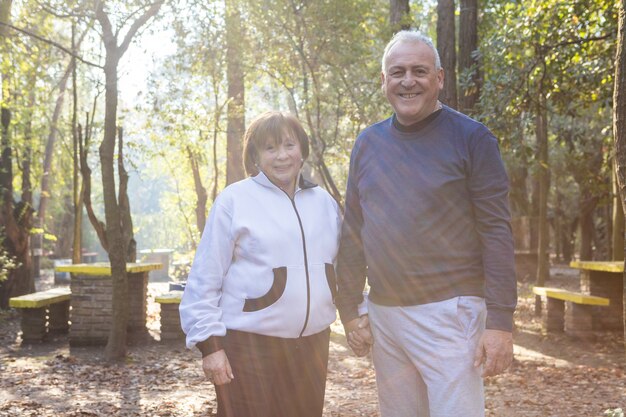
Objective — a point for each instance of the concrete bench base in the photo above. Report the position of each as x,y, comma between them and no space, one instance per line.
170,318
569,311
43,313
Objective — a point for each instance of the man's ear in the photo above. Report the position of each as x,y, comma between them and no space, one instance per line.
441,77
382,81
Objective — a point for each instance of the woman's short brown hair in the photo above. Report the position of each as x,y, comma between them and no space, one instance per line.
270,126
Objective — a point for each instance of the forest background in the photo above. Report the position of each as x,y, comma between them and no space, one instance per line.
122,120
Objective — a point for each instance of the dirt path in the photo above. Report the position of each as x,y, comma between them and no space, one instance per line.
552,376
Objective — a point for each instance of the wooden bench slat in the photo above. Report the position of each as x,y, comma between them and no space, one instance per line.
574,297
172,297
41,298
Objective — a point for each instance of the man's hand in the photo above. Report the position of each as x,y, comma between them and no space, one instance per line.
494,351
217,368
359,335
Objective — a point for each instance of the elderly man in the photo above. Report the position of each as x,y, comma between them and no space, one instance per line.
427,221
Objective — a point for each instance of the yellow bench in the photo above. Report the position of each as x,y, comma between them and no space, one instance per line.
577,319
604,279
170,319
43,312
574,297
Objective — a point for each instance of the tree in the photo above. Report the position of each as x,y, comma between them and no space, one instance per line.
619,116
309,52
446,45
236,92
16,218
469,66
116,220
545,69
399,15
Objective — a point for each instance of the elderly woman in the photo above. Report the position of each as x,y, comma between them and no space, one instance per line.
260,296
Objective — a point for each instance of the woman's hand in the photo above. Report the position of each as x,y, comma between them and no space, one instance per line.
359,335
217,368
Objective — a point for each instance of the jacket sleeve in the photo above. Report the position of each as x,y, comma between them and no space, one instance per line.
489,188
200,313
351,264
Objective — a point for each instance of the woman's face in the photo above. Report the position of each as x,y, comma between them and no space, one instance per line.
281,160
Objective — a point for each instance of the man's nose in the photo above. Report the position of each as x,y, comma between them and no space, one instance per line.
408,81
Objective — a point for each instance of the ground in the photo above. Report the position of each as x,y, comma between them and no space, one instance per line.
551,376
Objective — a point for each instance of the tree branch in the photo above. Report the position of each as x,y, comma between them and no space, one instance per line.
51,42
576,42
153,10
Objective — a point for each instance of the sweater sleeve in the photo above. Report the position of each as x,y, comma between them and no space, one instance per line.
489,188
200,314
351,267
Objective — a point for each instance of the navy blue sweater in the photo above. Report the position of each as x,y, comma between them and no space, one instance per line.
427,218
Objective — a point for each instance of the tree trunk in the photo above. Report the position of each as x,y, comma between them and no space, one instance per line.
236,93
116,346
618,221
25,283
85,172
76,187
124,203
47,168
587,204
619,120
469,69
399,15
446,45
15,219
115,210
201,193
543,266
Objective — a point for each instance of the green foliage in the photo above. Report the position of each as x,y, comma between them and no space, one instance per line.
563,51
320,60
614,412
7,262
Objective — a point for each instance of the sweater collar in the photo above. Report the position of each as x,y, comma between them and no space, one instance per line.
301,184
416,127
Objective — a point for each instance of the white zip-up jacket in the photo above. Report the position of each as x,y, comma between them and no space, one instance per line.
264,264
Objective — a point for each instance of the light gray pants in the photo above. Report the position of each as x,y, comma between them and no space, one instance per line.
424,357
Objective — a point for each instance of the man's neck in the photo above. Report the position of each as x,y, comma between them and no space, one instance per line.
417,126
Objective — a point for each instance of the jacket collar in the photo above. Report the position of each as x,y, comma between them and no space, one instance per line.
301,184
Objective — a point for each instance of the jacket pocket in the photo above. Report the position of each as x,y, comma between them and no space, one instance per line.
274,293
331,279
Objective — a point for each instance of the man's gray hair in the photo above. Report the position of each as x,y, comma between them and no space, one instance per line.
410,36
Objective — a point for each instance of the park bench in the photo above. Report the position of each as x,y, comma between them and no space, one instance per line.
576,320
170,319
43,312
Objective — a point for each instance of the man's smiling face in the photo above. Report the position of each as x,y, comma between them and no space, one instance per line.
411,82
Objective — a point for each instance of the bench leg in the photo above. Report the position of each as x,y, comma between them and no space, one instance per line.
579,321
170,323
59,317
554,315
33,325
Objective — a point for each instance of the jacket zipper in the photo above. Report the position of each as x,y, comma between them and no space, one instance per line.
306,264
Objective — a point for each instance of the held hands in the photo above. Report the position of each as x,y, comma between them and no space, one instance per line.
359,335
217,368
494,351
